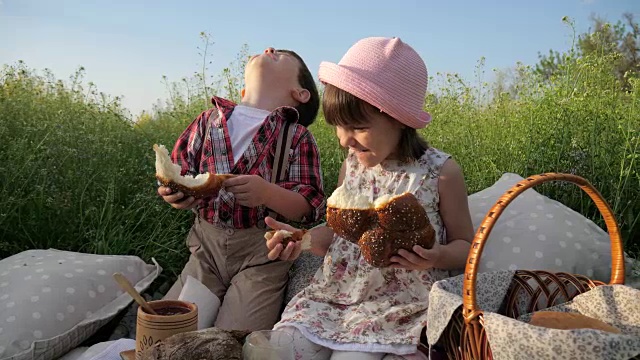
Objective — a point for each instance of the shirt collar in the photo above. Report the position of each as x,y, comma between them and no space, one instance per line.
225,107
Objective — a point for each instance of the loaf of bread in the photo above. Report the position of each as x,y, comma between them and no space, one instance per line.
211,344
382,227
567,321
168,174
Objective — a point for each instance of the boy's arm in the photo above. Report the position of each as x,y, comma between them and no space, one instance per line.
321,235
301,197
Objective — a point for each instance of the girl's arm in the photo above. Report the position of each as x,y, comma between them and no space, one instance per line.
454,210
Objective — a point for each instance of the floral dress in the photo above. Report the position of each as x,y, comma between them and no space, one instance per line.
352,306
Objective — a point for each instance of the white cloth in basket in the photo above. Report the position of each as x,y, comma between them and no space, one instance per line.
446,296
617,305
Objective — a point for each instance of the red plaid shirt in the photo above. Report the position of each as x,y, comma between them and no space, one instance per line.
199,151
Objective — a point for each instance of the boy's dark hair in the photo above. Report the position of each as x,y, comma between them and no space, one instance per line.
343,109
309,110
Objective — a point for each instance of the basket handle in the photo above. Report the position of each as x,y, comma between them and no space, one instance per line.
470,309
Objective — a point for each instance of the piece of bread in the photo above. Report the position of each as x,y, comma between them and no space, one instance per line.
287,236
382,227
568,321
211,344
200,186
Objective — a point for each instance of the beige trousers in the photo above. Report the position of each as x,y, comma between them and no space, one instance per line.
233,264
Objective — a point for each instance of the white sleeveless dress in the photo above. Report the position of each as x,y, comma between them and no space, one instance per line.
352,306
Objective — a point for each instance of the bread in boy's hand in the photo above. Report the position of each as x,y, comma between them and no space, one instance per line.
200,186
380,228
302,235
568,321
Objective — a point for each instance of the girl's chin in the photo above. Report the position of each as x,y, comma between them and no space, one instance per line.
367,159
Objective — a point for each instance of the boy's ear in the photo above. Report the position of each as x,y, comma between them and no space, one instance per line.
242,93
300,95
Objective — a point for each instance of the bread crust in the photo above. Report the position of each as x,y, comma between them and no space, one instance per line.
394,223
402,213
168,174
568,321
210,188
351,223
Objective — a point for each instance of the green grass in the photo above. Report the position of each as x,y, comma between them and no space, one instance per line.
77,175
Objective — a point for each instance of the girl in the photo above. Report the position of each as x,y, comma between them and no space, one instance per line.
351,310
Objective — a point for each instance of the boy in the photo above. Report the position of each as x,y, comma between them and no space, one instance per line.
227,245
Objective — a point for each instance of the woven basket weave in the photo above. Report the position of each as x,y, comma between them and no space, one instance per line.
465,337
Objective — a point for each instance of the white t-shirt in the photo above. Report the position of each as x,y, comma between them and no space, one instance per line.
243,125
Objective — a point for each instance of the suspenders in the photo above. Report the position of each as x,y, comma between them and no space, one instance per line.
281,160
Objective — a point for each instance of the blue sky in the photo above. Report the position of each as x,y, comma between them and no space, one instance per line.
127,45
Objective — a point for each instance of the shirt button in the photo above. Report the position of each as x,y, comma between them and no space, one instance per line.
261,224
223,152
229,232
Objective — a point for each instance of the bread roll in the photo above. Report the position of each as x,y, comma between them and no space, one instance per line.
288,236
380,228
568,321
200,186
401,213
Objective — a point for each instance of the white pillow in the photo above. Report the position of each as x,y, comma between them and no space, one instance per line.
51,300
538,233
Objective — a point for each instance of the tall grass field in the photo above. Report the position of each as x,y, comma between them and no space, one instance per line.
77,174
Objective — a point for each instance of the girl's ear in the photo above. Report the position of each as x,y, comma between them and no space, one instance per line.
300,95
242,93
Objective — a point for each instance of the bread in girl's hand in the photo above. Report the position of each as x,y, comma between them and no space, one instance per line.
287,236
568,321
200,186
382,227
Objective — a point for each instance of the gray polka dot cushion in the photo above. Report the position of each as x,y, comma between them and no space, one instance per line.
51,300
538,233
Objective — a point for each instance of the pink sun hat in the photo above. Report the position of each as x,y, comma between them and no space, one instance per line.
386,73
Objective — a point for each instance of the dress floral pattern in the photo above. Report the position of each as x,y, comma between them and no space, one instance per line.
352,306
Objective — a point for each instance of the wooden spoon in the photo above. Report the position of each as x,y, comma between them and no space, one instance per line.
126,286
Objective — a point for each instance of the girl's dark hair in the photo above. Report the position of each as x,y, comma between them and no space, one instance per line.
343,109
309,110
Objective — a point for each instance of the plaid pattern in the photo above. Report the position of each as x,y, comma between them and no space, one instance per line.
205,146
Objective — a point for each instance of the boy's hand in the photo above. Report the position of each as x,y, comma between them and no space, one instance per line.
249,190
177,199
276,250
418,259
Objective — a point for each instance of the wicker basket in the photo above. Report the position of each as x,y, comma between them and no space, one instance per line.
465,337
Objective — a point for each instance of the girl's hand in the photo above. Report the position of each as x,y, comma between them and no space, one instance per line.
419,259
276,250
249,190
